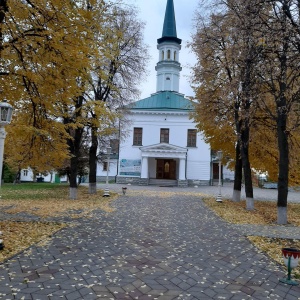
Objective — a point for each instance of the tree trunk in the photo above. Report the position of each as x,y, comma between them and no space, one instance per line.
73,193
3,10
74,147
73,177
283,173
247,84
246,167
238,172
283,143
18,177
93,162
75,150
283,147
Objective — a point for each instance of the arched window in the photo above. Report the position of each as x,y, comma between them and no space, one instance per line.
162,55
169,54
175,54
167,167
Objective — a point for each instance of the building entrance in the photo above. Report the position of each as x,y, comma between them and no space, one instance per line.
165,169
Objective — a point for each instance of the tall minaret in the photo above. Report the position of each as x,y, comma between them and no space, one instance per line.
168,68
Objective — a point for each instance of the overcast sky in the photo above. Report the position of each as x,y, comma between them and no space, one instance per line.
152,13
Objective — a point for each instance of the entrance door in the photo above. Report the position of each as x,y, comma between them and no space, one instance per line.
166,169
216,171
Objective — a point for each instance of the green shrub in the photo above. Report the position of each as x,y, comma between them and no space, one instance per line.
8,174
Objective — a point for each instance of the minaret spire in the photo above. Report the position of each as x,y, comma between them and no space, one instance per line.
168,68
169,32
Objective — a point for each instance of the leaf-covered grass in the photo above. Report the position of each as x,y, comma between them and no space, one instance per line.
265,213
43,200
272,247
18,236
50,201
34,190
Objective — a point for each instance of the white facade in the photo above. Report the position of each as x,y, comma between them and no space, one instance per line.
27,175
190,163
112,171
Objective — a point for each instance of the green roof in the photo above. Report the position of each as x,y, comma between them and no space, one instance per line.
169,32
165,100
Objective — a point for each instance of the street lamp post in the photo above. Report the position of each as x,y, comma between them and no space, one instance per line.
5,118
220,156
106,190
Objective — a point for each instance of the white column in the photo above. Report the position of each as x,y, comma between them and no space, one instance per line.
144,173
2,138
182,169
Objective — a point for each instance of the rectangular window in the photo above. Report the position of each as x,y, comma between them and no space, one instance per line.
164,135
114,144
104,166
137,136
192,138
25,172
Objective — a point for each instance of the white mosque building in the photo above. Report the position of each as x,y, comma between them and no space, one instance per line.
162,144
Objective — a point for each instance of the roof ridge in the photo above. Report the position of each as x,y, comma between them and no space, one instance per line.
164,100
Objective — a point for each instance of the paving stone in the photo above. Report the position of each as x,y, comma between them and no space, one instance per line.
156,292
165,297
28,290
209,292
73,295
61,293
21,296
39,297
173,293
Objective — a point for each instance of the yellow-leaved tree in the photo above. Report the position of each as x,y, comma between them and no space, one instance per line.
251,61
46,50
114,79
224,82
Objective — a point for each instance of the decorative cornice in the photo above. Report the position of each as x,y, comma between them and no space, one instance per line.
167,63
163,112
157,154
164,147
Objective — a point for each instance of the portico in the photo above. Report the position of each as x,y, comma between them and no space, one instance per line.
163,161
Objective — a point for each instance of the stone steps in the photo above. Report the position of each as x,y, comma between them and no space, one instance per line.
163,182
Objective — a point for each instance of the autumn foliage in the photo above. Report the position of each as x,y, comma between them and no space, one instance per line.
54,57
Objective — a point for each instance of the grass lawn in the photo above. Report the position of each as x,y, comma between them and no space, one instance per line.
265,213
43,200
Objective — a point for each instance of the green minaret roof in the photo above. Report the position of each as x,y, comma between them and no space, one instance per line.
169,30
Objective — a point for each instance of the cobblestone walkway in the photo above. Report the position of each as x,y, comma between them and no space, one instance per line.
156,245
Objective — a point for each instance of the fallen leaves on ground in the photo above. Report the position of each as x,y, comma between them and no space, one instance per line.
18,236
272,247
44,202
265,213
57,203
